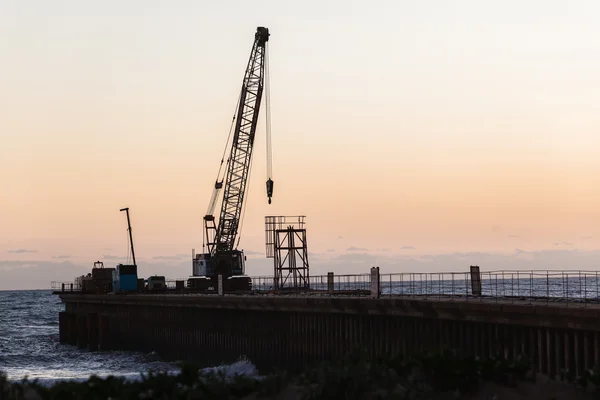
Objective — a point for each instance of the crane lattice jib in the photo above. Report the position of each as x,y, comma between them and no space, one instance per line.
241,149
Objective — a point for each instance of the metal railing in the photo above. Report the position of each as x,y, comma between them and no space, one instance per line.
539,286
355,283
71,286
578,287
566,286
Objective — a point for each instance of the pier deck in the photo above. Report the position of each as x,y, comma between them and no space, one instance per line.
414,313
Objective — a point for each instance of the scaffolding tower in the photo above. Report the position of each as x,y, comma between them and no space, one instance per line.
285,239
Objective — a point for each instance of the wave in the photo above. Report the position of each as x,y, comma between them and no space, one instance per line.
242,367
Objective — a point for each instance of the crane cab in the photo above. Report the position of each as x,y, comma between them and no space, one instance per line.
238,263
156,283
234,263
205,270
202,265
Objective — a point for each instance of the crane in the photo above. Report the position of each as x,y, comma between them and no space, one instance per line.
222,256
125,277
126,209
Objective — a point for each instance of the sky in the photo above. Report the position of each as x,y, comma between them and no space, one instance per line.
426,136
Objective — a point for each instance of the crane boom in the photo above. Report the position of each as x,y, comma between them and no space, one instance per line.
243,141
126,209
222,257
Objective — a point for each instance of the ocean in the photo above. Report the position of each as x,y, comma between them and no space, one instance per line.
29,346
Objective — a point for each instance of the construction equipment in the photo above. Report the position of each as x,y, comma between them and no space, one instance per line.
220,256
125,277
156,283
101,278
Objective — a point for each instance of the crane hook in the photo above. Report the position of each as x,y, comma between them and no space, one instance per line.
269,189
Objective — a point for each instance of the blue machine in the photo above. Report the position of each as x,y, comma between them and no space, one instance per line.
125,278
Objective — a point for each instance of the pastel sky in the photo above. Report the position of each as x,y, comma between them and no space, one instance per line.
414,135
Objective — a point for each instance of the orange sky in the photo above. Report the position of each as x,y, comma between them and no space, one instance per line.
469,129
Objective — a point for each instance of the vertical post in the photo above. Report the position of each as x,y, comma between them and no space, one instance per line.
62,287
103,333
375,281
93,332
72,329
330,282
220,285
475,280
82,331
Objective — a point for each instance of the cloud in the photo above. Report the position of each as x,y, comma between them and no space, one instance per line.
62,257
107,249
21,251
352,248
354,258
562,244
19,275
407,248
340,237
168,258
111,257
330,250
586,237
514,236
522,255
384,250
38,274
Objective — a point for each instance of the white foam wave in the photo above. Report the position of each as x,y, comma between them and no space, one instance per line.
242,367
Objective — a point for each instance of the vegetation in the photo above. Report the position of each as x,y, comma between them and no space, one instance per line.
444,375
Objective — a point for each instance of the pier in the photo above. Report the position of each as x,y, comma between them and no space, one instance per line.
549,317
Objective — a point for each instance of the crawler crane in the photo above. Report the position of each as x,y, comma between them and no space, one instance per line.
221,256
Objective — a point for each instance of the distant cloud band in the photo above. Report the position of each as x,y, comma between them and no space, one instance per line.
21,251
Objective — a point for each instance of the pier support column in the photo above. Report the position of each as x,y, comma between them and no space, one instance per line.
103,333
63,327
92,330
330,282
71,329
375,281
82,332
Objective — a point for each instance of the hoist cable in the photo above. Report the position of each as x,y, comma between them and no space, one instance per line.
268,115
